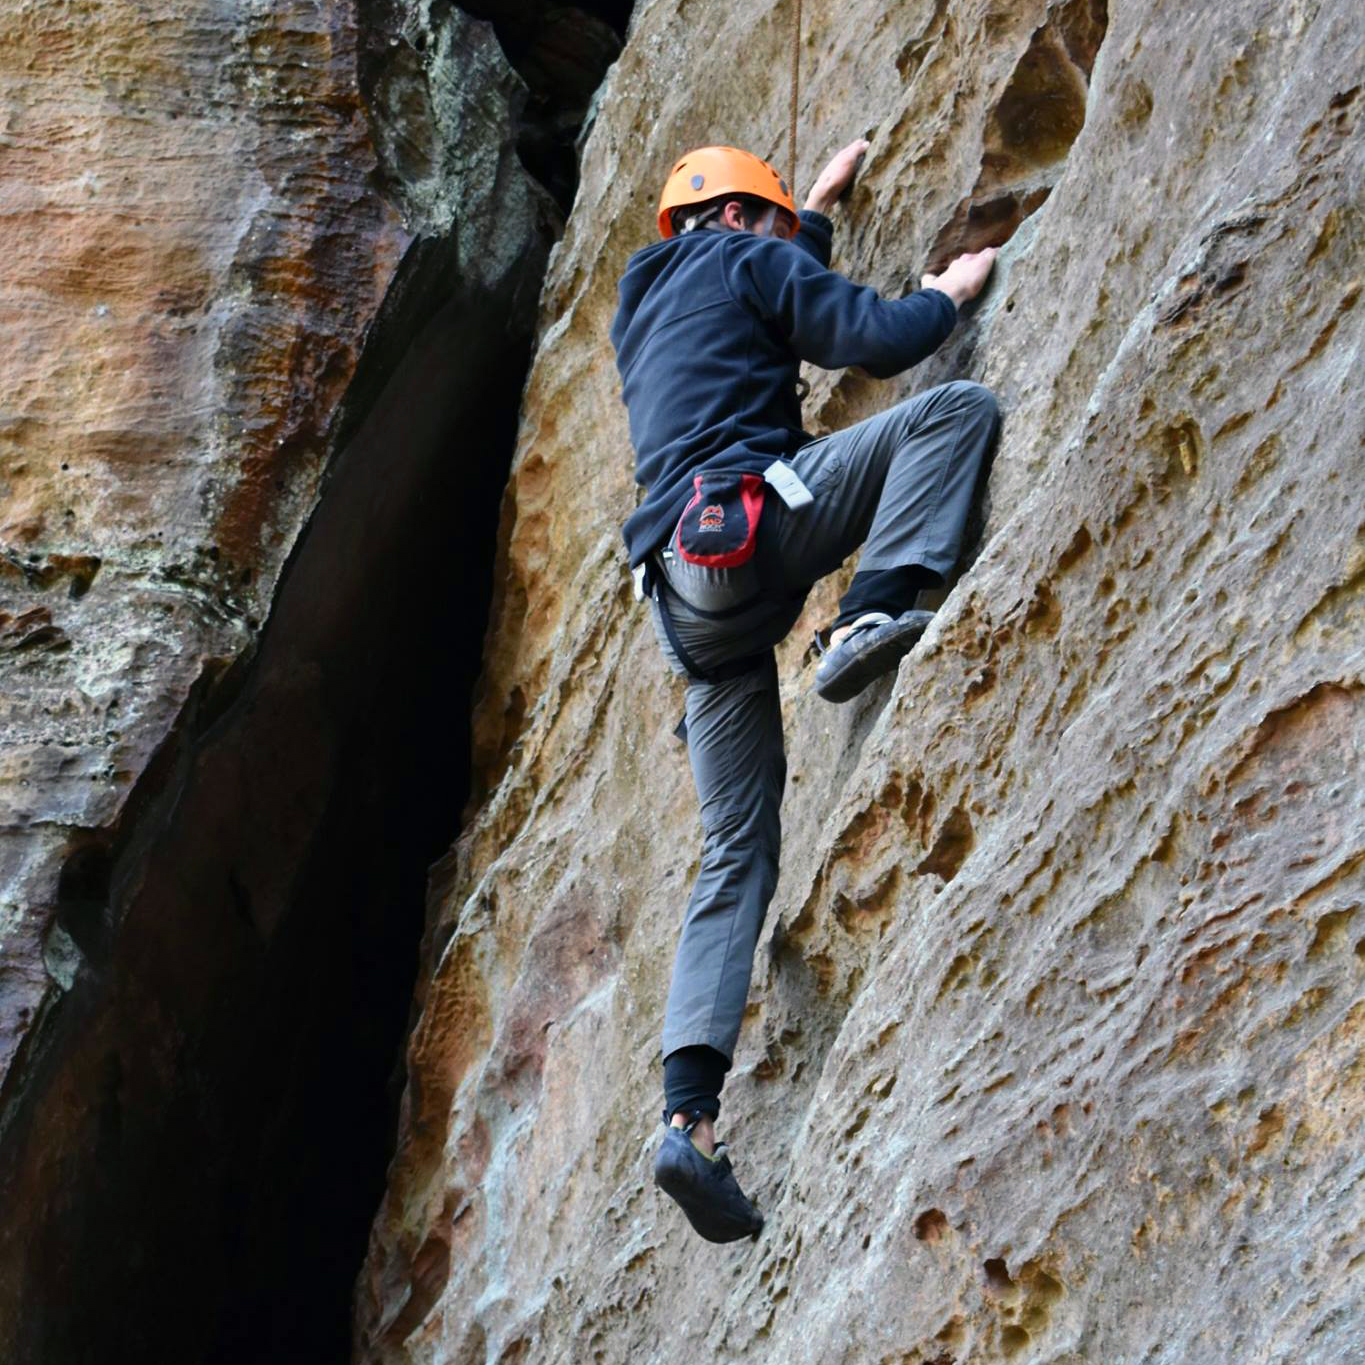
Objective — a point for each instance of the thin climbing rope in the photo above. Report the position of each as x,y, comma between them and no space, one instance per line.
796,86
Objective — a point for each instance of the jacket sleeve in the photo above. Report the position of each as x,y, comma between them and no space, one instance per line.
832,322
816,234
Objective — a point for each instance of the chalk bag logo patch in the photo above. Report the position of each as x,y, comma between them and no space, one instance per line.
719,527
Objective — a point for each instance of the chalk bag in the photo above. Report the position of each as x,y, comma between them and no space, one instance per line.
719,527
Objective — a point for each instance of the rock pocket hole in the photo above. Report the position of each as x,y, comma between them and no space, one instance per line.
1029,133
83,900
84,570
931,1226
999,1283
954,842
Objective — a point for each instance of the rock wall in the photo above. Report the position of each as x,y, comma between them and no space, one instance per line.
173,235
1057,1027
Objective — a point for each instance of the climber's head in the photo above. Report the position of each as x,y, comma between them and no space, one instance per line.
725,187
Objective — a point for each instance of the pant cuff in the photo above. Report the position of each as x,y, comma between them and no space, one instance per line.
693,1078
890,590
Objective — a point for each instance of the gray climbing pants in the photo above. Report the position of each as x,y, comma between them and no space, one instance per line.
900,485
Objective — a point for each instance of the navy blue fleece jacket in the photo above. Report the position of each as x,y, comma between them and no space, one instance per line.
709,334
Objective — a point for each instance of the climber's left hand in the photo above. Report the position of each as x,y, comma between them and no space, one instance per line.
837,176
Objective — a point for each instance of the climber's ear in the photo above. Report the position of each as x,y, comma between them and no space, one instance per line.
734,217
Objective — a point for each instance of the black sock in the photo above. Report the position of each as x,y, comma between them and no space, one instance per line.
890,590
693,1077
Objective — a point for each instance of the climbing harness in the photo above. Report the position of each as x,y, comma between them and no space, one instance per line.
744,492
661,591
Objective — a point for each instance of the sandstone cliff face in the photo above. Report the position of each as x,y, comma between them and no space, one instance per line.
250,379
172,238
1056,1040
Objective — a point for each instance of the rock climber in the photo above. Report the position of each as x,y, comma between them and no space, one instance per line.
742,513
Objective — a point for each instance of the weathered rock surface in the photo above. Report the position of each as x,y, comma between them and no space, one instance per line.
1058,1029
186,197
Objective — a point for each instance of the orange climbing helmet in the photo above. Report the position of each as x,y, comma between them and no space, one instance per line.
712,171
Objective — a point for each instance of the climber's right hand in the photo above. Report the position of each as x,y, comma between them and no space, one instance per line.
965,277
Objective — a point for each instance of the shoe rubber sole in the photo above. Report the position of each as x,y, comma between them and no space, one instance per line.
870,654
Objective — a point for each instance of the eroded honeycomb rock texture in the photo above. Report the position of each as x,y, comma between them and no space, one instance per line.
1056,1040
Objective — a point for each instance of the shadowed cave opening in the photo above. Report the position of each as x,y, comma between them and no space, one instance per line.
198,1138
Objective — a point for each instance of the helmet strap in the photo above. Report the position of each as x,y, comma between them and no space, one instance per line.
763,227
696,220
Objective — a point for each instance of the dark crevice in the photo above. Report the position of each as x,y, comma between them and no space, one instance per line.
82,911
396,812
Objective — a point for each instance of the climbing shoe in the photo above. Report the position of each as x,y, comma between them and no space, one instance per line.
705,1188
875,645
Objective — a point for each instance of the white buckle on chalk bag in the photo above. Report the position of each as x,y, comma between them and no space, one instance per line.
785,481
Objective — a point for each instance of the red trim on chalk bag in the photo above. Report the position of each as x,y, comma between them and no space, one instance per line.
719,527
